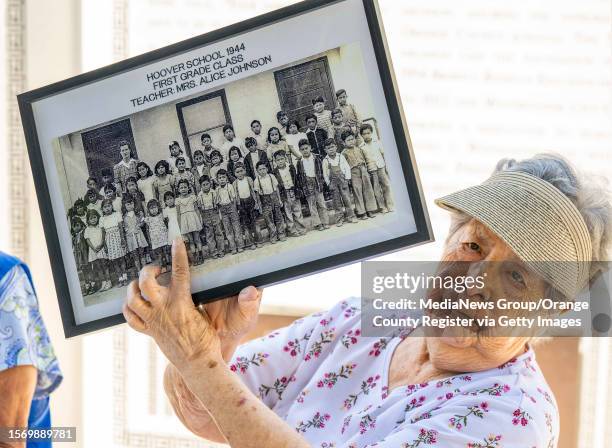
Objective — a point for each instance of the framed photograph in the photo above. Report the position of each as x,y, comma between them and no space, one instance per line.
275,147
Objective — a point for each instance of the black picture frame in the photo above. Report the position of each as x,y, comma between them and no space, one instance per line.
422,235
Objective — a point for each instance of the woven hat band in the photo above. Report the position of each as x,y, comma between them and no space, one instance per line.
537,221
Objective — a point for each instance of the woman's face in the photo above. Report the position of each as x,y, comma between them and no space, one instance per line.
125,152
161,170
474,250
142,171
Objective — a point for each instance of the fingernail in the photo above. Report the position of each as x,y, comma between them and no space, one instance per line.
246,292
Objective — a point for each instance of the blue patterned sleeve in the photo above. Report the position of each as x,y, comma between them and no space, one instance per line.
23,335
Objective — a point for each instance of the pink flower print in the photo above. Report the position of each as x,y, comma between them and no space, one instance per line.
520,417
242,363
315,351
317,421
349,311
366,423
385,392
350,338
425,437
326,322
495,390
301,396
366,387
466,378
445,382
379,347
279,386
461,420
331,378
412,404
491,441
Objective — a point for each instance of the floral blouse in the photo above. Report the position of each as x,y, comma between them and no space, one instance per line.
330,383
23,336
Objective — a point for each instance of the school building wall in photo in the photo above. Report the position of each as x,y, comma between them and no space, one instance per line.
86,152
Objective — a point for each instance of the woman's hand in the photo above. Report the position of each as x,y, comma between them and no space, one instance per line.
182,331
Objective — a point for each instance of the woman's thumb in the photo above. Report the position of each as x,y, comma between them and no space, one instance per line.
248,301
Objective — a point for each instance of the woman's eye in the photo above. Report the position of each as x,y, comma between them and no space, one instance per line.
517,277
473,246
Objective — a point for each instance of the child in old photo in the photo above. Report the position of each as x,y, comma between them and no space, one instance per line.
323,115
175,152
158,233
310,181
286,177
200,167
235,157
137,196
171,217
134,237
339,126
293,137
337,175
80,250
257,135
248,205
110,193
231,140
282,118
266,187
217,165
190,222
363,194
254,156
211,221
182,173
349,111
163,181
207,147
107,179
98,266
92,184
375,162
276,144
111,224
93,200
316,136
226,200
145,181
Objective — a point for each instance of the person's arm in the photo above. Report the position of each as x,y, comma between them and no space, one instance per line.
194,340
326,171
17,386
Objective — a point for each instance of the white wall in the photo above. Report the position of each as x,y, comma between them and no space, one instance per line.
53,53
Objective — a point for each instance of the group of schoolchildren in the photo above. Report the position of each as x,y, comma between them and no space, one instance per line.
215,200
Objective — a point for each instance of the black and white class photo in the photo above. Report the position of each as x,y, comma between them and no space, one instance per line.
283,159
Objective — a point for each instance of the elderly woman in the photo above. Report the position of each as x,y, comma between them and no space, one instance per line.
320,383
